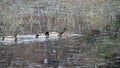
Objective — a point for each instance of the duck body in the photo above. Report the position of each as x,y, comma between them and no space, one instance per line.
54,34
9,38
47,35
50,34
41,35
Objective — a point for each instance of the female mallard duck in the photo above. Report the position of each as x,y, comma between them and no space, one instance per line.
10,38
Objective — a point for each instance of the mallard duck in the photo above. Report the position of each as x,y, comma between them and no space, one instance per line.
40,35
9,38
52,34
47,35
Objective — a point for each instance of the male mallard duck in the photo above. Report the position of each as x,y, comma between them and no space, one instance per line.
47,34
52,34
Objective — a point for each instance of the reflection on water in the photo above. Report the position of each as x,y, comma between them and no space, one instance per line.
31,38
